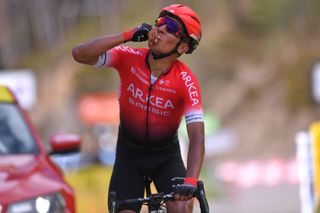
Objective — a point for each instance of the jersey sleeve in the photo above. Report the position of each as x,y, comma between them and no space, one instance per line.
115,56
192,98
110,58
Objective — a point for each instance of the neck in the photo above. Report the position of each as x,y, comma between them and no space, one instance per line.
160,66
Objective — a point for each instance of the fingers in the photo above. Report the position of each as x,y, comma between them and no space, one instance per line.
182,197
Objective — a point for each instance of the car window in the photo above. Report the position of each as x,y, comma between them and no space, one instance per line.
15,135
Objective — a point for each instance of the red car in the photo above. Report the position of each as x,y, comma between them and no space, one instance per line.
29,180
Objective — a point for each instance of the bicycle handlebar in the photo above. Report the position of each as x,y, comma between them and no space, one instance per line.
153,198
201,196
158,198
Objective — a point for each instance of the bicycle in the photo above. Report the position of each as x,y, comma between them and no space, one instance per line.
156,202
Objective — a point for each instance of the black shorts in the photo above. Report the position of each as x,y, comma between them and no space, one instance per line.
132,164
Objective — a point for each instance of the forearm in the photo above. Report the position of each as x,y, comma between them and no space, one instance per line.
89,52
196,151
195,159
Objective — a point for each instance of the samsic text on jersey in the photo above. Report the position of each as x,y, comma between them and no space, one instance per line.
150,113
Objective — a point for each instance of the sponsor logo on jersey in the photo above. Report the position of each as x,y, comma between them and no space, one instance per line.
153,100
190,84
129,49
165,89
151,109
158,105
140,75
164,82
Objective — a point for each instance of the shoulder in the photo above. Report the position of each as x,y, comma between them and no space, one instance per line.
183,72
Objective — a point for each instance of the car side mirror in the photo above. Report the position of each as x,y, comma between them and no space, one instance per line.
62,143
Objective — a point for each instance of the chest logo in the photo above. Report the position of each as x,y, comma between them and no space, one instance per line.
154,101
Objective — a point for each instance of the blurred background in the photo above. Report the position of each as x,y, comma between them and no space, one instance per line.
255,64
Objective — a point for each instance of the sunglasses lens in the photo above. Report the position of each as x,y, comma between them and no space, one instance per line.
160,22
171,26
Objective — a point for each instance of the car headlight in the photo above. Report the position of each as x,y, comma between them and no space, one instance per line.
54,203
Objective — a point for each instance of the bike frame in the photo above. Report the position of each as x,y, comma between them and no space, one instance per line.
155,201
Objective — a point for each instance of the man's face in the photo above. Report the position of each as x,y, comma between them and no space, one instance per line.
168,32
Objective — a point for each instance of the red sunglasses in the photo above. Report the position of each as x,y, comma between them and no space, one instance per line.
171,26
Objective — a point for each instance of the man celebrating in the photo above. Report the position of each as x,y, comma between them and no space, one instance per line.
156,90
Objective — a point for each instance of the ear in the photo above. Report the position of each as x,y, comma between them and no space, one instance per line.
183,48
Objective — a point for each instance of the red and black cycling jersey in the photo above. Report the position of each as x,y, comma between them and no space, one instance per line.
150,113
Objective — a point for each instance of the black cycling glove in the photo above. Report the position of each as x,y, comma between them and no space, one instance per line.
185,189
138,34
188,188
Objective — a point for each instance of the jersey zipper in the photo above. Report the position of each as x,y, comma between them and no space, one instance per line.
147,115
147,135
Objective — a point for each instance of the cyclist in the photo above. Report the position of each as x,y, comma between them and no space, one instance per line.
156,90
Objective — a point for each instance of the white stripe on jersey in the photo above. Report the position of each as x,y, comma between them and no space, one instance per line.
194,117
102,60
